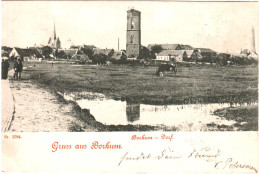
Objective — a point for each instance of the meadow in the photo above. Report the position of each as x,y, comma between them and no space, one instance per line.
193,84
139,84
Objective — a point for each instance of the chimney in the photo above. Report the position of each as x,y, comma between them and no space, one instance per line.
118,45
253,40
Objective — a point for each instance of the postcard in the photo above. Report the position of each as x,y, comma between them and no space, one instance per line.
129,87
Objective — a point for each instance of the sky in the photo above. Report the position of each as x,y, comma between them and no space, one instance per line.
221,26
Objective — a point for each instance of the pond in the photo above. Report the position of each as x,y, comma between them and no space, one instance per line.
187,117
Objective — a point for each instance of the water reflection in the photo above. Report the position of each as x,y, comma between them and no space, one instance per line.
132,112
187,117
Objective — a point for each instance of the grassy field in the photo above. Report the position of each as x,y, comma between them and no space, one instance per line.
246,117
138,84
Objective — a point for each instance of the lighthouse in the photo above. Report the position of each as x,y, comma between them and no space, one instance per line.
253,41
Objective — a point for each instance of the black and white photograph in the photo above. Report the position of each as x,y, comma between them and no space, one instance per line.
156,66
138,87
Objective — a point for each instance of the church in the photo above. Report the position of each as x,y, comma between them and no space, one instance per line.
54,42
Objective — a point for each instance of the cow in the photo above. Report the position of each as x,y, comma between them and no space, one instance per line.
166,67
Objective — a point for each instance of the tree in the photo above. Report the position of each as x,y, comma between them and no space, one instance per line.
55,53
123,58
100,58
222,59
155,50
61,54
185,56
46,51
88,52
145,53
196,56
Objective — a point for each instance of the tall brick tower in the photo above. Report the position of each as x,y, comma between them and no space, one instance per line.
133,33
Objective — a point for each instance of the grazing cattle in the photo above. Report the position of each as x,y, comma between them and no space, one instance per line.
166,67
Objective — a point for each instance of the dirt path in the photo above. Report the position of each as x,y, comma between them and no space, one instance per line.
7,106
37,110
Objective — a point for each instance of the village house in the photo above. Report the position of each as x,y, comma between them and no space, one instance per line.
170,55
66,53
187,55
46,51
80,57
75,55
5,51
174,55
118,54
107,52
90,47
172,46
195,55
206,52
25,54
249,54
251,51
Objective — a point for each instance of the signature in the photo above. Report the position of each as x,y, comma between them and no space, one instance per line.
232,164
205,154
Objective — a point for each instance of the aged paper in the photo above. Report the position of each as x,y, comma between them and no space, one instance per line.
129,87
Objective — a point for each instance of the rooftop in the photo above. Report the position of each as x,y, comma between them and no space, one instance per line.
171,52
133,10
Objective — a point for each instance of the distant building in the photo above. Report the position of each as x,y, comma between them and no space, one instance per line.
251,52
75,55
80,57
252,45
196,55
203,54
205,50
118,54
90,47
66,53
187,55
54,42
107,52
5,51
133,33
26,54
46,51
172,55
172,46
248,53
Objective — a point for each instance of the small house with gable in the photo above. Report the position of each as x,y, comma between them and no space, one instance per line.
25,54
75,55
174,55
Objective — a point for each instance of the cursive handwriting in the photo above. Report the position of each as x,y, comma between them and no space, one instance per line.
207,154
231,164
166,154
126,157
